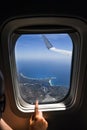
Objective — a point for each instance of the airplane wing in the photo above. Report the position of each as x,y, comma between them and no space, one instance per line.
52,48
47,42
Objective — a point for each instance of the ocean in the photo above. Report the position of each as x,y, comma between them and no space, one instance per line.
59,71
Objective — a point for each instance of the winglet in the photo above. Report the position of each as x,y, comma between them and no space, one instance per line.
47,42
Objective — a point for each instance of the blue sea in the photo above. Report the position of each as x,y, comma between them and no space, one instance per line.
59,71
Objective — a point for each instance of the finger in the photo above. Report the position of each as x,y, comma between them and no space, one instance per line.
36,107
33,117
37,112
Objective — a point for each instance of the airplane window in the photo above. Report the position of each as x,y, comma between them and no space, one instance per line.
43,63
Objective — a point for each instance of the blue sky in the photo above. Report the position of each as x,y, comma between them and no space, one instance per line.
30,46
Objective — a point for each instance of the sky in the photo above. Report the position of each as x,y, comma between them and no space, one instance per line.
32,46
33,58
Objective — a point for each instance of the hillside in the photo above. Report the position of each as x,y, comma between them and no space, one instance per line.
41,89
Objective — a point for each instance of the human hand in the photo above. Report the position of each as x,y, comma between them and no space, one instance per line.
37,121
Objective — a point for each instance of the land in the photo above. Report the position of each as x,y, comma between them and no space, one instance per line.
40,89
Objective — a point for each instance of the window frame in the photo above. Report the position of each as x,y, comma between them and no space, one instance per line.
75,27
